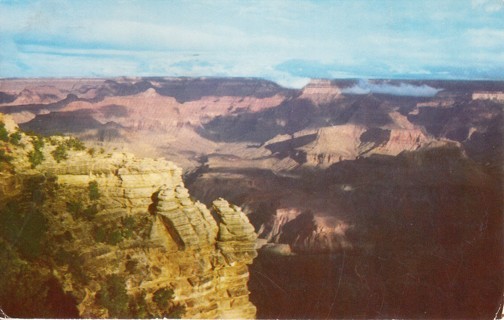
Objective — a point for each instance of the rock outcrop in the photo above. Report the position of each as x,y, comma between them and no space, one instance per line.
304,232
333,144
132,219
348,142
399,140
320,91
499,96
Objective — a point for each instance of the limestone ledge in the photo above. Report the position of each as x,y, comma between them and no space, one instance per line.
201,258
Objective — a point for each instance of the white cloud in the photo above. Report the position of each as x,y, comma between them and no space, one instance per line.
486,38
403,89
246,38
488,5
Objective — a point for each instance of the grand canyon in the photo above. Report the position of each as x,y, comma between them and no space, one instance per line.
240,198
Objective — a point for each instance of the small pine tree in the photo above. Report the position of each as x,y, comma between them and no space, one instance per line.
4,157
4,135
37,142
91,151
35,157
94,192
15,138
60,153
162,297
113,296
75,144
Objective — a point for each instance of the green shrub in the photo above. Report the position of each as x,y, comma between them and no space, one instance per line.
53,141
176,312
75,208
51,184
162,297
23,228
143,227
138,307
107,235
35,157
4,157
128,224
127,233
15,138
5,161
9,261
90,212
35,187
75,264
4,135
100,234
113,296
75,144
91,151
34,230
164,300
37,142
11,222
114,238
60,153
94,192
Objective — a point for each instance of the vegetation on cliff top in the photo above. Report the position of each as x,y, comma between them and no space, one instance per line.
26,290
164,300
4,135
36,155
114,297
30,247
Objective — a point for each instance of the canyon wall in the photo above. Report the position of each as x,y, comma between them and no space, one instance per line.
116,221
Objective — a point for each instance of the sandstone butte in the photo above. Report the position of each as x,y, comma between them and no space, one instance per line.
163,238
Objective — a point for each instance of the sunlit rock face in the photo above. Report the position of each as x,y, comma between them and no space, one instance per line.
348,142
333,144
305,232
320,91
133,220
488,96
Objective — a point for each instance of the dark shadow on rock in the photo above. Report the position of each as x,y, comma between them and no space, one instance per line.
35,108
62,122
190,89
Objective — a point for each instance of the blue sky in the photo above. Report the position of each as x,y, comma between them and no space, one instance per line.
285,41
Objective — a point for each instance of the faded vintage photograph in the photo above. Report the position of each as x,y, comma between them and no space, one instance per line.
269,159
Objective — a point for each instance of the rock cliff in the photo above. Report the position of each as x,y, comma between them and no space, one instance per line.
122,236
320,91
348,142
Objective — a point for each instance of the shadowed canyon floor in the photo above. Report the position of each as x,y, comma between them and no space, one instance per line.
371,199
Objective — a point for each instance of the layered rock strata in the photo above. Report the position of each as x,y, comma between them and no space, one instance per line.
133,219
320,91
348,142
488,96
